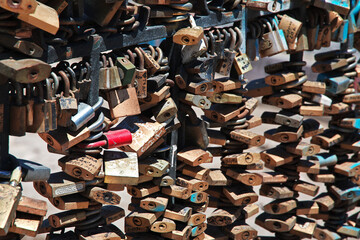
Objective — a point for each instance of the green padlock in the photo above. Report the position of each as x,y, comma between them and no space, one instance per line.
127,70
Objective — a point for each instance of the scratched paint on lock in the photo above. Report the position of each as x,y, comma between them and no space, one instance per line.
67,190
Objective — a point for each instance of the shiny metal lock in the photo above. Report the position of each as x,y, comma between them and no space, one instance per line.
272,42
67,103
84,115
17,112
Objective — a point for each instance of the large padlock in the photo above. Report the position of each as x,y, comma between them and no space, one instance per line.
123,102
17,112
272,42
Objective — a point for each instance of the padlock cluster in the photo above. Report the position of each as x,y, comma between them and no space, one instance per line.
174,122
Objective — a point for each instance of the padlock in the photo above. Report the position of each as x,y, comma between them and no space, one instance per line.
163,226
193,156
121,99
62,139
144,135
10,200
291,28
241,159
109,76
283,100
197,172
25,70
239,197
60,184
153,167
69,218
283,78
157,204
252,41
249,179
189,36
128,70
26,224
50,23
39,125
224,65
67,103
70,202
276,192
83,167
324,34
280,206
222,217
141,218
101,195
151,65
84,81
140,80
127,162
178,213
276,157
165,110
272,42
192,184
17,112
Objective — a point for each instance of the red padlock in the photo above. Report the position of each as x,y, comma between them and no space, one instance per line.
113,139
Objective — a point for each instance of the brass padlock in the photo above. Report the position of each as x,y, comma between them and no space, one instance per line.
291,28
121,168
272,42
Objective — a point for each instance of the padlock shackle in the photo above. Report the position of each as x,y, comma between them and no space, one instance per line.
98,104
160,55
15,177
140,56
66,83
111,62
49,90
131,56
232,39
73,78
226,37
152,50
56,82
104,61
212,43
240,39
97,123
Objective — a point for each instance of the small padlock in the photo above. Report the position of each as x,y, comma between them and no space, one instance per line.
272,42
128,70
